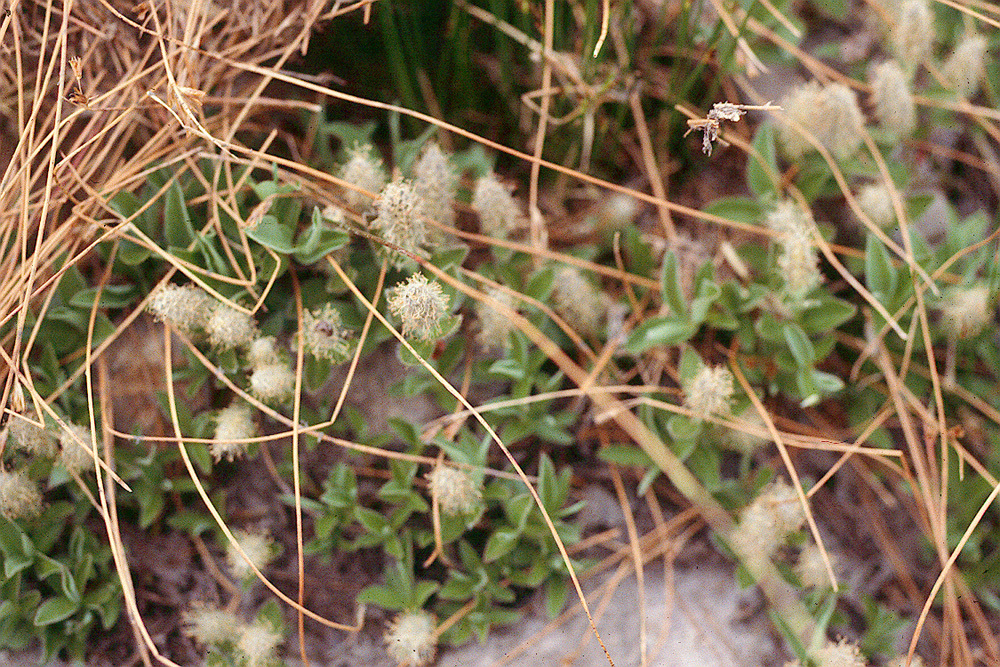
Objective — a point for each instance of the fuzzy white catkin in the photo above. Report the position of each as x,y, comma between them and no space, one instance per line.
742,441
400,221
186,307
966,67
577,301
709,392
831,114
420,305
272,382
410,640
19,496
262,352
365,171
839,654
874,200
323,335
73,456
228,327
499,213
894,106
259,549
494,326
233,427
965,311
437,184
209,625
811,569
766,522
798,262
454,489
900,661
913,35
31,438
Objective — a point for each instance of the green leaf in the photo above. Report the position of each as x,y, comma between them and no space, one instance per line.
625,455
762,172
799,345
517,509
661,330
318,241
18,553
383,596
880,276
826,315
272,234
500,543
177,227
55,610
673,296
556,592
740,209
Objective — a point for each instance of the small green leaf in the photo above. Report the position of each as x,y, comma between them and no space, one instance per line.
661,330
880,275
673,296
799,345
177,227
383,596
500,543
762,172
318,241
272,234
55,610
826,315
556,592
625,455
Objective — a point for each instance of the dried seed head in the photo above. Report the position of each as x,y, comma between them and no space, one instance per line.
875,201
894,105
709,392
228,327
830,114
72,455
811,569
901,661
263,352
258,643
185,307
966,67
272,383
839,654
209,625
499,214
233,427
31,438
323,335
494,326
965,311
454,489
365,171
19,496
400,221
259,549
436,183
421,306
798,261
577,301
410,640
913,36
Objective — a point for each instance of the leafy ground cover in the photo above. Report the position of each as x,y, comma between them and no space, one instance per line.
321,319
